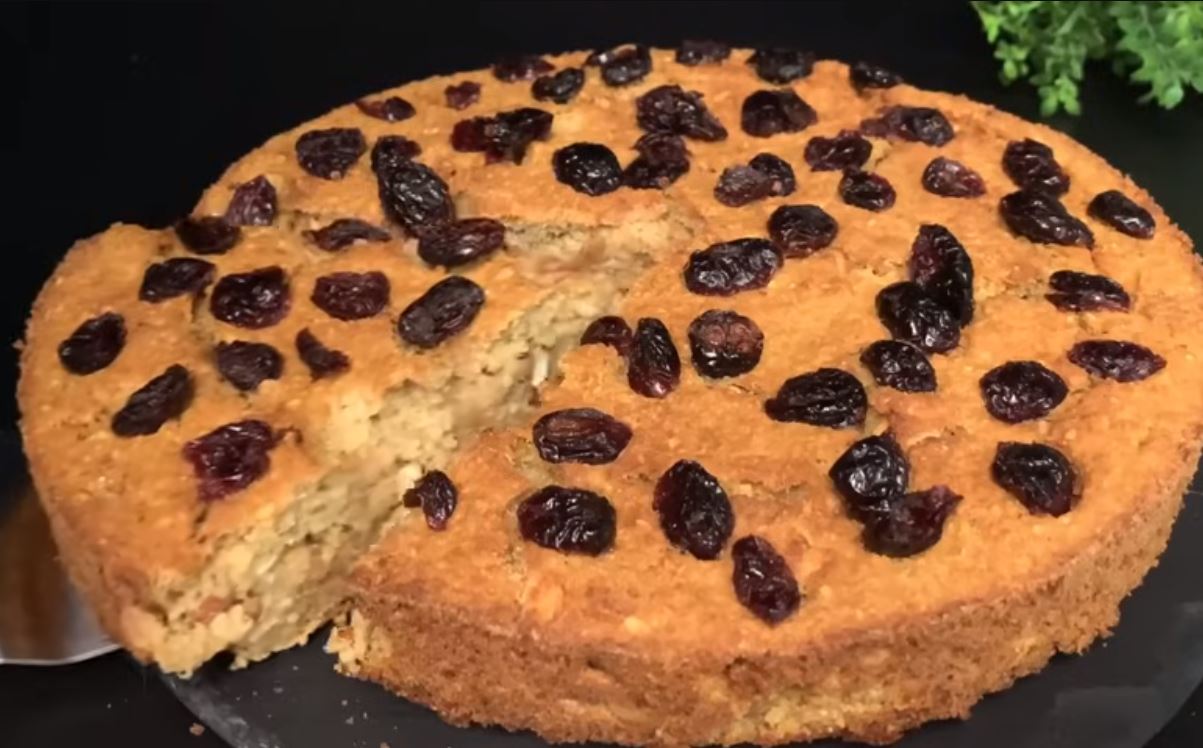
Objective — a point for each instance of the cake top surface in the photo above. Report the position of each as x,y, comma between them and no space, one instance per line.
816,307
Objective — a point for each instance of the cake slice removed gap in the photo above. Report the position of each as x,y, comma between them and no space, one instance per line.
269,585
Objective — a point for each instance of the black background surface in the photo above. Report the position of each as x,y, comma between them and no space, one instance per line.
125,113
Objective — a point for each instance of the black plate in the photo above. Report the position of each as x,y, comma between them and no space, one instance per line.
1117,695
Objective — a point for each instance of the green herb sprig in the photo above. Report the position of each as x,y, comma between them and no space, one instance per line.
1157,44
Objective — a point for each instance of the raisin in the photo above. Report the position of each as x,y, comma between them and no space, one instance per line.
561,87
521,68
642,174
391,150
598,57
1043,219
1031,165
863,189
694,510
674,110
350,296
1022,391
662,147
941,266
948,178
580,435
94,344
847,150
824,397
740,185
609,330
914,523
763,177
447,308
344,232
589,168
867,75
766,113
654,367
778,171
1115,209
626,66
231,457
702,51
255,299
764,583
462,95
870,475
801,230
724,343
246,365
391,109
662,160
437,496
1040,476
899,365
328,154
165,397
322,360
571,520
731,267
207,235
478,134
1072,291
781,64
505,136
1120,360
914,123
460,242
252,204
415,197
913,315
175,277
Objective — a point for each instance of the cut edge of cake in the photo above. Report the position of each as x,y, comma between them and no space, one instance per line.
268,587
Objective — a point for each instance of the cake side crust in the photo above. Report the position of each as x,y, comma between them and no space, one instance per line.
871,685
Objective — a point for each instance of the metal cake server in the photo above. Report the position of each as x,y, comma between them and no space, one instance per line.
43,621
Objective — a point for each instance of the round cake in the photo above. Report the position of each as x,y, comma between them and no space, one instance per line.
659,397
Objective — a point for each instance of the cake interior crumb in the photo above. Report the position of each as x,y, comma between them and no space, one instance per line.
269,586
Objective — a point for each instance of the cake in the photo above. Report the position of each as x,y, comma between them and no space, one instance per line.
656,397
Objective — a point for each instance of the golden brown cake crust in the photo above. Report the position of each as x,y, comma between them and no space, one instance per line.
644,645
647,645
867,684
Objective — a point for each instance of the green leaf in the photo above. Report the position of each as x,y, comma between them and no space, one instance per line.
1165,42
1156,44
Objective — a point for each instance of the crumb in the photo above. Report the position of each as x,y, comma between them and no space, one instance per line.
277,689
197,729
344,702
365,715
351,720
384,745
